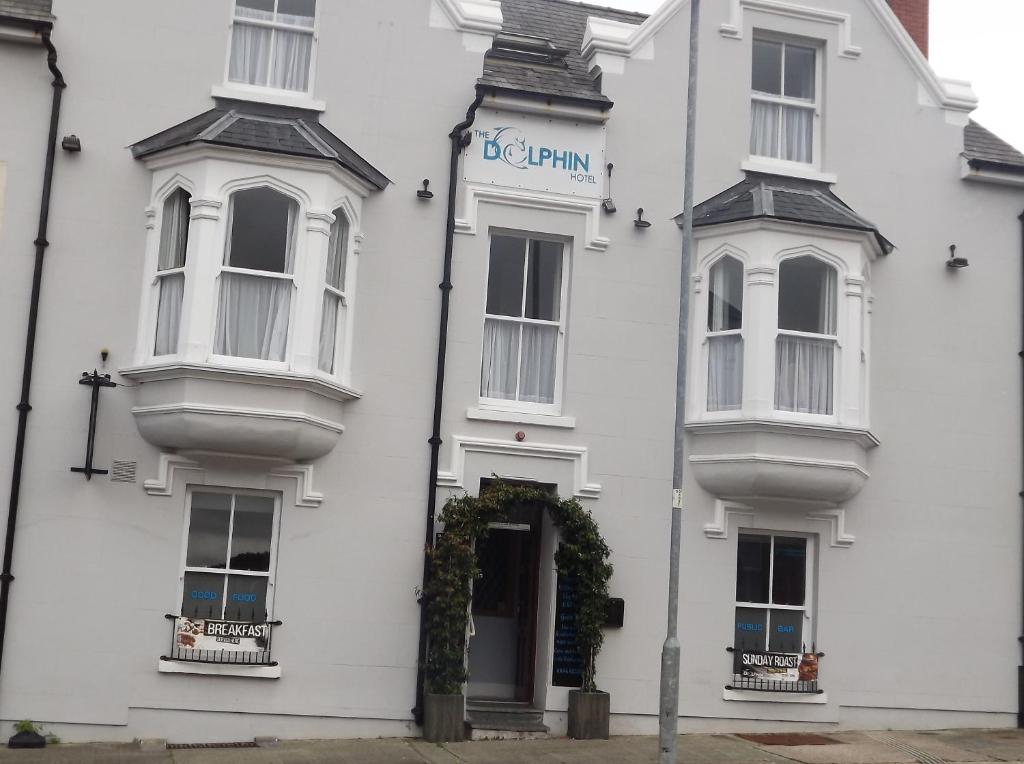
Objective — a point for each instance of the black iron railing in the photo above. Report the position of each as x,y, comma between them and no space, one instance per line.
803,677
186,643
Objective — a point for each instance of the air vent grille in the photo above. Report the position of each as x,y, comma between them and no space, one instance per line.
122,471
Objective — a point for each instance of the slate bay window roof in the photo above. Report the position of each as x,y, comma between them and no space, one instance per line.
985,150
26,11
780,197
282,130
554,67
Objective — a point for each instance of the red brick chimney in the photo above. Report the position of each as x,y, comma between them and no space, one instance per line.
914,15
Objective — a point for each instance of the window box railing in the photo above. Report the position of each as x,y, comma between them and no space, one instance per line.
237,643
775,672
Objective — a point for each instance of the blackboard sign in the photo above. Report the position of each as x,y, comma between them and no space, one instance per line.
567,668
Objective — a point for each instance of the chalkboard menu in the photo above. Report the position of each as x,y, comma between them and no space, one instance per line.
567,668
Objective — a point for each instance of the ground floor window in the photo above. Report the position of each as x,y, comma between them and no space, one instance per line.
229,556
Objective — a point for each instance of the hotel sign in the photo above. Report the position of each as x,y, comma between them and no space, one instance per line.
536,154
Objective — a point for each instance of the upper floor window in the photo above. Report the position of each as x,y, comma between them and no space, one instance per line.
783,101
272,43
334,292
805,349
256,280
725,342
523,322
171,270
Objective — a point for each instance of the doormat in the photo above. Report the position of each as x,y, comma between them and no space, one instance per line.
789,738
187,746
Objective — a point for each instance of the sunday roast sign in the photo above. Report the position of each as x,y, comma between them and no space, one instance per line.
537,154
779,667
234,636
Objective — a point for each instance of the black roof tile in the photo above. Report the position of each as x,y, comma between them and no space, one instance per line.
983,148
27,10
783,198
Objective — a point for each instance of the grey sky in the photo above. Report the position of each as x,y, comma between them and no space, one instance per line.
974,40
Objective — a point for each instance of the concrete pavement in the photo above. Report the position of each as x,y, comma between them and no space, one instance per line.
933,747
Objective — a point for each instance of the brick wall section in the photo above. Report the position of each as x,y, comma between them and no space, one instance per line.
914,15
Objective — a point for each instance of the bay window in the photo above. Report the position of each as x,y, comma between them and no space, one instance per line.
171,270
272,43
805,347
724,339
523,322
783,102
334,292
256,280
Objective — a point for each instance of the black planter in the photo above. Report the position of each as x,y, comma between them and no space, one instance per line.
588,715
26,740
444,718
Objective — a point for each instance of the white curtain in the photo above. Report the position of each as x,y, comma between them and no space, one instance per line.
537,372
725,372
803,374
328,331
336,251
501,352
798,127
173,242
252,321
827,303
290,67
250,50
764,129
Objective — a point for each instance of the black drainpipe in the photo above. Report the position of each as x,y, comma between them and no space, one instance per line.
1020,668
459,140
30,337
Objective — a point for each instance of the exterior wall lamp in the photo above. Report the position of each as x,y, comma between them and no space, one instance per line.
640,222
954,261
425,193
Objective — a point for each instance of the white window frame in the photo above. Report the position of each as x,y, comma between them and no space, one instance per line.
341,326
259,92
160,275
810,598
833,338
709,335
294,297
271,574
514,405
784,166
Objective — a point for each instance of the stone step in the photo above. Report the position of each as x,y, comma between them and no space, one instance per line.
490,720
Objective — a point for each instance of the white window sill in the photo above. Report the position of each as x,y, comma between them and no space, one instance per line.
263,95
791,169
218,669
520,417
756,696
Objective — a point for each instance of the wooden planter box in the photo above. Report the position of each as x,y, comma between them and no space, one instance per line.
444,718
588,715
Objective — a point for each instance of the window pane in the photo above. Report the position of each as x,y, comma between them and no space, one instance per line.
202,595
208,530
250,535
544,280
168,314
296,11
537,373
807,295
250,49
336,252
789,571
174,230
252,318
804,370
328,332
785,632
247,599
725,295
752,568
241,6
764,129
799,72
292,50
499,370
261,222
505,276
797,133
751,631
766,76
725,372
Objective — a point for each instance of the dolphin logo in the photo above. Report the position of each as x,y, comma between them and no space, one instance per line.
508,145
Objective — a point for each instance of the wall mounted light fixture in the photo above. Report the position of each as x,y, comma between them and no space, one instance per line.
71,143
640,222
425,193
607,204
954,261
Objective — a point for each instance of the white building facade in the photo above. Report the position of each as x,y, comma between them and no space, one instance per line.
249,238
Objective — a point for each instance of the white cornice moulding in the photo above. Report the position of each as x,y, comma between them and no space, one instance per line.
836,518
983,175
302,474
298,417
537,200
605,39
734,27
478,20
725,511
461,445
545,108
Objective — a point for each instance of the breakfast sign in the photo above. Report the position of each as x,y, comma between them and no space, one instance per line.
535,153
206,634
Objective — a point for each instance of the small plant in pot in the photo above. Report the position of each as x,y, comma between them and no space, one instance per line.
26,735
582,556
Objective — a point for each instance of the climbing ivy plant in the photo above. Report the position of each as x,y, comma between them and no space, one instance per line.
582,556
